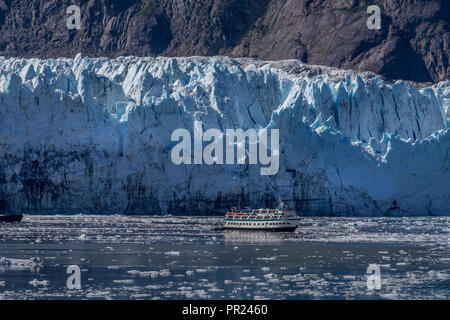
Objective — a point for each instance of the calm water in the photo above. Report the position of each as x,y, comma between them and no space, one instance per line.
184,258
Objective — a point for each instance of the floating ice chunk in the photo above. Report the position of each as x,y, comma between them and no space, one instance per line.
154,287
99,294
113,267
329,276
262,284
173,253
267,258
124,281
202,294
164,273
139,296
152,274
389,295
36,282
21,262
133,272
82,237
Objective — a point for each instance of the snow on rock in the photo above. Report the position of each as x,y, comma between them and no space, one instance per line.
93,135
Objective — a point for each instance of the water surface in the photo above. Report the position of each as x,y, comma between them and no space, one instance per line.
124,257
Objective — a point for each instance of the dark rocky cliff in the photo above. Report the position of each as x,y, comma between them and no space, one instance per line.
412,44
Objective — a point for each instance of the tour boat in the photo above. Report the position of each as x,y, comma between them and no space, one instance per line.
11,217
261,219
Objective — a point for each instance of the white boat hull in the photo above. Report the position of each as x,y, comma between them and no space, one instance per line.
282,229
261,220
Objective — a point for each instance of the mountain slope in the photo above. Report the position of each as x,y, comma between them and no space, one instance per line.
413,43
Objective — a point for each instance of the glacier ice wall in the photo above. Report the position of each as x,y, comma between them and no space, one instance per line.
93,135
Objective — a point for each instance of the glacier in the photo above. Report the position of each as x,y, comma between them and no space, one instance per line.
92,135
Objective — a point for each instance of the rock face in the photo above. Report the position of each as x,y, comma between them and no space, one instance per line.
94,135
412,44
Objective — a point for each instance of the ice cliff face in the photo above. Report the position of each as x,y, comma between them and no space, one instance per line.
93,135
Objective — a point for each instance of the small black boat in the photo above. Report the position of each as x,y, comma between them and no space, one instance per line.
11,217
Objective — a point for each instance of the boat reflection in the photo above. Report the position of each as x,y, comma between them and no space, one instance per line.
250,236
